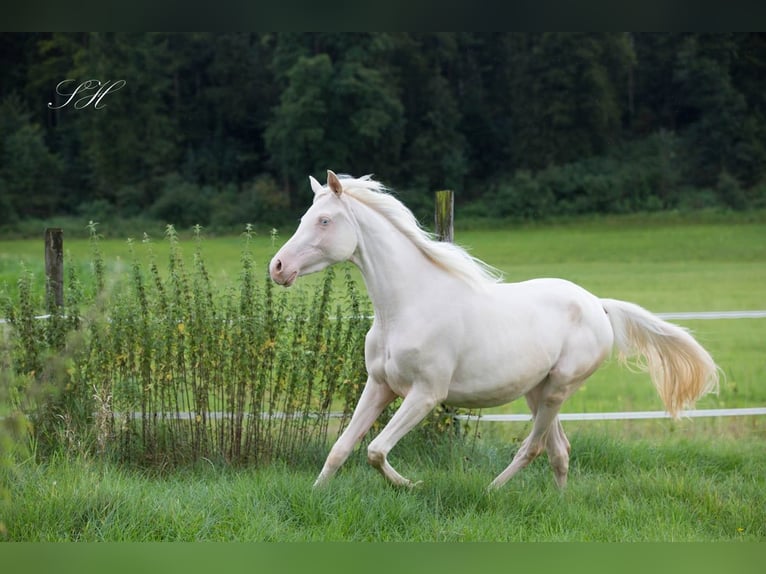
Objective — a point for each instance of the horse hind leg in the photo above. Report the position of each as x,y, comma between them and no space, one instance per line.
532,446
558,449
547,434
584,357
556,443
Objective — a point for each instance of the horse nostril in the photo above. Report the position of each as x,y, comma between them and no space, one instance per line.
278,266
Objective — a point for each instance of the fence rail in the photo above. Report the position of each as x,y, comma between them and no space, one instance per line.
616,416
609,416
759,314
679,315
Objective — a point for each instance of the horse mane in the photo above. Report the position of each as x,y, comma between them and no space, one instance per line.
450,257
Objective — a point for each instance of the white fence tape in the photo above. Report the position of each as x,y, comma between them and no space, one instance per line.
690,315
504,418
635,415
714,315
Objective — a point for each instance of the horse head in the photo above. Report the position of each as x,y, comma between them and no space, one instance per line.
326,235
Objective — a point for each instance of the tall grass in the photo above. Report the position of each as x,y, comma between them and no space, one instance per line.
686,490
154,363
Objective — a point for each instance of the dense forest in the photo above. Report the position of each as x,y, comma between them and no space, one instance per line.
223,129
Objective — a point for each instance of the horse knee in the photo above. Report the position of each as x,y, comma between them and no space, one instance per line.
336,458
375,457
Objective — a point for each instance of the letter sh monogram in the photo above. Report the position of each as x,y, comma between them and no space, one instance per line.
86,94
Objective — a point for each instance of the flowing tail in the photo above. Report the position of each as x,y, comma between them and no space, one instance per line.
681,369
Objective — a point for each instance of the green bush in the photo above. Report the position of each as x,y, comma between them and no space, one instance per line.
642,176
160,366
30,173
182,203
257,201
757,195
730,192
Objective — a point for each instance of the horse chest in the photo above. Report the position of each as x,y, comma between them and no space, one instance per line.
400,364
394,369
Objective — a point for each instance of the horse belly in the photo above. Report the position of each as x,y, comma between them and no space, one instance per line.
512,345
483,389
497,369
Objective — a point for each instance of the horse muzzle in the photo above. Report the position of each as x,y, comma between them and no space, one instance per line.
282,274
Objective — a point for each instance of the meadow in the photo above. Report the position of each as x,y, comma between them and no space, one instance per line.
699,479
619,490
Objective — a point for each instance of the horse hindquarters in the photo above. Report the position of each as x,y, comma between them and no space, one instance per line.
680,368
585,346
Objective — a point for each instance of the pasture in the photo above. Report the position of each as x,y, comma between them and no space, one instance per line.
620,490
700,479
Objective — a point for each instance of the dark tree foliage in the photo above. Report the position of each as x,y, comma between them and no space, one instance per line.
214,127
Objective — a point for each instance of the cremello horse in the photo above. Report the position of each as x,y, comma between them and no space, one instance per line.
446,330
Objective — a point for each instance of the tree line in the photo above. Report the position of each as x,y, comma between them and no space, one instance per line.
224,128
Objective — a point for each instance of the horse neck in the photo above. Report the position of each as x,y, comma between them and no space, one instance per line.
395,271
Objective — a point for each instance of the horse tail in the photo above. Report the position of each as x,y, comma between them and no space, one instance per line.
680,368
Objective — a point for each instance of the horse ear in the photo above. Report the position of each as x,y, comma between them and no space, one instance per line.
334,183
315,185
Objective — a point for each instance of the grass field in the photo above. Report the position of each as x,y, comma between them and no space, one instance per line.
700,479
638,490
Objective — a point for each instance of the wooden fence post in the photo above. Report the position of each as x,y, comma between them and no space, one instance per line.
444,216
54,267
445,231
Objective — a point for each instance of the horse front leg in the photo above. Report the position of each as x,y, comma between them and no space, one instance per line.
375,397
413,409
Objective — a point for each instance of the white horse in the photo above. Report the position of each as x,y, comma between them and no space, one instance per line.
446,330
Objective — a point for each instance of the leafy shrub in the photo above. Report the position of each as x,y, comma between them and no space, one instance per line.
730,192
159,366
29,172
257,201
757,195
635,177
182,203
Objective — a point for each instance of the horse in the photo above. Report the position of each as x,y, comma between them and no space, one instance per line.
448,330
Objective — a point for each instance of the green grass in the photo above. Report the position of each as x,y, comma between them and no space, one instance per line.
694,267
679,490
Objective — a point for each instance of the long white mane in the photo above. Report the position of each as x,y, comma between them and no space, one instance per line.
448,256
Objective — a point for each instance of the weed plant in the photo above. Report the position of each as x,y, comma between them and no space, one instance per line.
155,364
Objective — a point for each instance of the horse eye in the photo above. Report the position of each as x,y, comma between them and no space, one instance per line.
324,221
